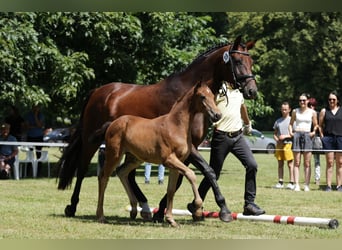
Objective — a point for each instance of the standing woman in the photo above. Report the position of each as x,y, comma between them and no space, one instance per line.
330,119
300,126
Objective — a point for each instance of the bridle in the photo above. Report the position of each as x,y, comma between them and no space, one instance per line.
236,78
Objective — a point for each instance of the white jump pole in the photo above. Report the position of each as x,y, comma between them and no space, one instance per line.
278,219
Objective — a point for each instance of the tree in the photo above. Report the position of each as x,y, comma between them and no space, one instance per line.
296,52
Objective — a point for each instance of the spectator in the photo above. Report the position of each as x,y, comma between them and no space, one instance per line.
161,170
16,122
7,152
316,154
302,119
284,146
227,137
35,130
330,120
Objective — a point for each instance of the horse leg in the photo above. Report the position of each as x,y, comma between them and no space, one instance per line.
145,209
159,215
125,170
70,210
111,162
197,160
174,163
171,189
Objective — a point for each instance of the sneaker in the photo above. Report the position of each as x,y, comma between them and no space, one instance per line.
160,182
252,209
317,182
290,186
297,188
328,189
279,186
147,182
339,188
306,188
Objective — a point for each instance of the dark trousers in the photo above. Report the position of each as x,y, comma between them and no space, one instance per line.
221,146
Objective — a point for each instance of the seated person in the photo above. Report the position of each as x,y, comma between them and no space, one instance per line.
7,152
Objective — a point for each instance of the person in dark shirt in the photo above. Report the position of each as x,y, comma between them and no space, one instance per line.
330,121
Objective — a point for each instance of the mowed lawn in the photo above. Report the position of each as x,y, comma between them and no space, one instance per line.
34,208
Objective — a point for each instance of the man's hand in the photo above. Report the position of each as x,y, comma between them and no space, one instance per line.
247,129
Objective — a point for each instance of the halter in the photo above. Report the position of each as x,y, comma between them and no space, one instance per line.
237,78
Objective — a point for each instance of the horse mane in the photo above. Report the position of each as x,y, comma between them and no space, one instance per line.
200,57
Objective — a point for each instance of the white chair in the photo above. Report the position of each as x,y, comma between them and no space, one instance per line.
16,168
28,159
44,157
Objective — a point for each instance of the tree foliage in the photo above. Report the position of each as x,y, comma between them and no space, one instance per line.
55,59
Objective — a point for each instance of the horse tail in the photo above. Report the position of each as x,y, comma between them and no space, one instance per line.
70,160
98,135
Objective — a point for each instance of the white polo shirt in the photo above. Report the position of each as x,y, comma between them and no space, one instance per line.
231,112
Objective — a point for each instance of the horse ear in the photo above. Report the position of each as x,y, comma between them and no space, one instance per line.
198,85
237,42
250,44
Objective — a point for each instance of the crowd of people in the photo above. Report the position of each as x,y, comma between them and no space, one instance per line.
307,132
14,128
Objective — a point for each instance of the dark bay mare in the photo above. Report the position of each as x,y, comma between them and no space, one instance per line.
228,62
165,140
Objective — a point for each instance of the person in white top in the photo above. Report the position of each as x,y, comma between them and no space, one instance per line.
228,138
300,126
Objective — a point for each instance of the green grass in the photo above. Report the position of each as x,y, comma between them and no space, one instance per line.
34,208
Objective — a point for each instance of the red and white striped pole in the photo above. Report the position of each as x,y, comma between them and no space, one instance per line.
278,219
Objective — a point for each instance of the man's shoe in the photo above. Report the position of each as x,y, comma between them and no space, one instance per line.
252,209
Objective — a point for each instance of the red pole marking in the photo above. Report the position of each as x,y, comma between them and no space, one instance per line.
277,218
234,215
291,219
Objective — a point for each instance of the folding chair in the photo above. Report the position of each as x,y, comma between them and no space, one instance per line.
44,157
28,159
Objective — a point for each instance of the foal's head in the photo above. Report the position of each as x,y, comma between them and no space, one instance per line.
204,101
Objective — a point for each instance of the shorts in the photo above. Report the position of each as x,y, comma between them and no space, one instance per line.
332,142
284,152
302,142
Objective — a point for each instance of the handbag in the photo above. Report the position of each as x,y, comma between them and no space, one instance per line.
317,143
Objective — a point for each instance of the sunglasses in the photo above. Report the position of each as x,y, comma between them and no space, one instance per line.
302,100
332,100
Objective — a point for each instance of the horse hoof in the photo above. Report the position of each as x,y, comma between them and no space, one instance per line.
102,220
133,214
147,216
198,217
69,211
197,214
226,216
158,218
172,223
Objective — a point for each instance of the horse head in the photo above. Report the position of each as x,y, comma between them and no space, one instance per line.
239,62
205,101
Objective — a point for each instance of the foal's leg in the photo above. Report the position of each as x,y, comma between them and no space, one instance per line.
111,162
175,163
171,189
145,208
123,175
197,160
